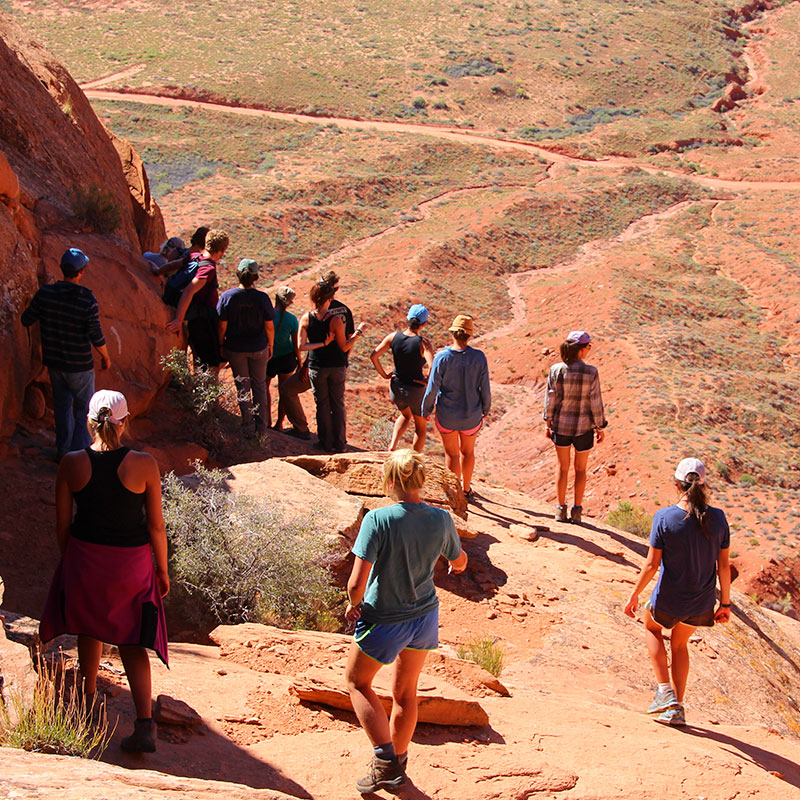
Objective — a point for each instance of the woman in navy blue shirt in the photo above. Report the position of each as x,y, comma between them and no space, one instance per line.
689,543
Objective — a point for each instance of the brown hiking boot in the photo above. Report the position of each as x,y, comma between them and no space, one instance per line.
143,738
576,514
561,513
383,774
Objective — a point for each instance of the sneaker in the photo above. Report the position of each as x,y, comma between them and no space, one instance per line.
561,513
662,701
143,738
673,716
575,514
383,774
304,435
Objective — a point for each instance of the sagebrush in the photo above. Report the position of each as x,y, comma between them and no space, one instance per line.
633,519
201,383
239,559
97,208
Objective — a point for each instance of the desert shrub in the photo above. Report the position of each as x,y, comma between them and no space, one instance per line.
420,103
242,560
747,480
486,652
380,434
96,207
56,720
201,384
631,518
723,470
475,67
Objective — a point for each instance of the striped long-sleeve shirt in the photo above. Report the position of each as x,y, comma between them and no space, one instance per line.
573,404
69,323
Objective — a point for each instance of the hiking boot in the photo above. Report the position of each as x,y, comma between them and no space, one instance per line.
561,513
304,435
383,774
143,738
673,716
575,515
662,701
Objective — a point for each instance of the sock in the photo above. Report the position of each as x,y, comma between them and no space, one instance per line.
402,758
144,719
664,687
385,751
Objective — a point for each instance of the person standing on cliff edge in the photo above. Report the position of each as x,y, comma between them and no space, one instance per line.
69,324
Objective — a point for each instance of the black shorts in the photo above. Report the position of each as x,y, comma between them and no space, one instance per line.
204,340
581,443
704,620
406,395
281,365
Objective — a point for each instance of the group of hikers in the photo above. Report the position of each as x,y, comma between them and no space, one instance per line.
113,571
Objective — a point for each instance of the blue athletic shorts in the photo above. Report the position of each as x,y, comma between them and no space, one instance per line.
385,642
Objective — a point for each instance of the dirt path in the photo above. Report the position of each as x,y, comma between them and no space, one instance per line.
448,134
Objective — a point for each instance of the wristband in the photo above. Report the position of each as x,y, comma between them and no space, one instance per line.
724,605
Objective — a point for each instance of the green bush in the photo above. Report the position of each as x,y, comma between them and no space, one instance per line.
56,720
420,102
96,207
485,652
633,519
243,561
201,384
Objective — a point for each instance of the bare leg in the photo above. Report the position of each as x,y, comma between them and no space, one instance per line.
562,473
580,476
420,432
404,697
89,653
655,647
360,671
680,657
467,445
137,668
452,453
400,427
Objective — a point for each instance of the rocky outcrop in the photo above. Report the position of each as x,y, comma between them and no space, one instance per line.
52,146
17,676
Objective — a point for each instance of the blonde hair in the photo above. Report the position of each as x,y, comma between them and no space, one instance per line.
105,430
217,241
404,470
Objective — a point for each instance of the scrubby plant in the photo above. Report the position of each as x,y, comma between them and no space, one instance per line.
420,103
240,559
631,518
486,652
201,384
97,208
55,720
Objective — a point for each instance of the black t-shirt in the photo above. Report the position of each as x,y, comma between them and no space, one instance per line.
408,358
329,356
245,311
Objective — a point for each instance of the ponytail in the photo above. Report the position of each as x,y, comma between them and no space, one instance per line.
105,430
570,350
696,499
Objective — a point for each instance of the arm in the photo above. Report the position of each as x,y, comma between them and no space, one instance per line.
269,327
426,351
356,585
724,573
32,313
550,404
651,565
222,326
596,402
459,564
375,356
485,387
183,304
105,359
96,335
296,349
305,345
63,505
344,341
434,381
155,523
169,267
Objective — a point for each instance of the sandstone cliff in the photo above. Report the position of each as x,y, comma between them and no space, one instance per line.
52,145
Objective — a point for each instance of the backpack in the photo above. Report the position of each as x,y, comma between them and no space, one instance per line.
173,289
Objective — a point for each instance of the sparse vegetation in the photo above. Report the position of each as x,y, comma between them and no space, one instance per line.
201,385
631,518
96,207
486,652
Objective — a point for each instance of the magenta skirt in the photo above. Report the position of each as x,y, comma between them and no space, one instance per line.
108,593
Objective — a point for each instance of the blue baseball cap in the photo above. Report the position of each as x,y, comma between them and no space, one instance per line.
579,337
418,312
73,261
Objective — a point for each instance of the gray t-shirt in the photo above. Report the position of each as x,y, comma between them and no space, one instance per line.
403,543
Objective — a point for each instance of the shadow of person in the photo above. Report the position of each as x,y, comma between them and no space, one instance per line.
766,760
481,579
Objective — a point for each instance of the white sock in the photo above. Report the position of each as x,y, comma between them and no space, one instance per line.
664,687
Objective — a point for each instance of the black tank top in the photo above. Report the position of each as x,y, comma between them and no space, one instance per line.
329,356
107,512
408,359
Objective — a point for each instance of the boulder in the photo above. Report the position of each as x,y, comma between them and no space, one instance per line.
17,675
169,711
179,457
362,473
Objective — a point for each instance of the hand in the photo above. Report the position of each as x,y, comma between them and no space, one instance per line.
451,570
105,363
173,326
631,606
329,338
601,434
352,613
155,270
722,615
163,582
547,432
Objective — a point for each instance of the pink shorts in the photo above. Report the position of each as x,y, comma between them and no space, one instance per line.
470,432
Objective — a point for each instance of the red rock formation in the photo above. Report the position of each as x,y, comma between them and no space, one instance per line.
52,144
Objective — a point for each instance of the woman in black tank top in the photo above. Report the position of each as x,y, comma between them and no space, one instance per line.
323,336
407,383
106,588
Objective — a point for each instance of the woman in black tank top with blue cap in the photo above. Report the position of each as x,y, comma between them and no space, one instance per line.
406,382
106,587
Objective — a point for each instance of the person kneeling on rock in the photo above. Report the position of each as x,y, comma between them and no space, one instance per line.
394,605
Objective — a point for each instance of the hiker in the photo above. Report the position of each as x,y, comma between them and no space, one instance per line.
106,588
338,308
286,353
392,600
246,334
689,544
459,388
573,414
406,382
69,326
181,257
198,304
171,249
323,334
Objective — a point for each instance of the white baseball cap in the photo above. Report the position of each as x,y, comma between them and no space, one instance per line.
114,402
688,466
